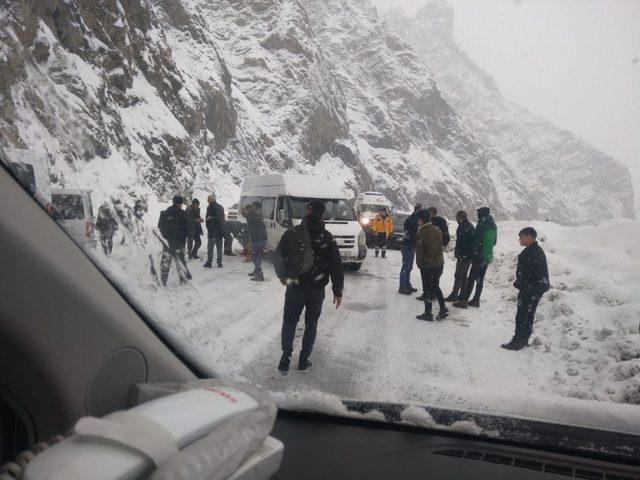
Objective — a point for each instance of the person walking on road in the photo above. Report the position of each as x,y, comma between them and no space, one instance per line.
173,228
106,224
464,254
382,228
441,223
214,220
194,228
430,261
258,238
532,281
408,251
306,257
485,237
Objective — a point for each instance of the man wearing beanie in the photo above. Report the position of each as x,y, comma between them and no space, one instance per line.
532,281
430,261
485,237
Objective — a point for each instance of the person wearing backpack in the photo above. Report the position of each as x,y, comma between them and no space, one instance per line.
485,237
306,257
173,228
532,281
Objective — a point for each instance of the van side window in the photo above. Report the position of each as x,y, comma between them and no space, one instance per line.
268,206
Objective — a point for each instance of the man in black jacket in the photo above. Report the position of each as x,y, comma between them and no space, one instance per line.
173,228
258,237
194,228
214,220
408,251
306,257
532,281
441,223
463,253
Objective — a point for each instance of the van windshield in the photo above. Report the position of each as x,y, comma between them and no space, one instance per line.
335,208
369,207
68,207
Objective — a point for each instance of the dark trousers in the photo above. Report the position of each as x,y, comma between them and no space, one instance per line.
228,243
462,272
431,287
256,255
295,300
217,243
476,276
381,242
408,253
169,253
193,244
106,240
527,305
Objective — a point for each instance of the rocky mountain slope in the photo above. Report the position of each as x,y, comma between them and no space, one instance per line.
148,97
565,177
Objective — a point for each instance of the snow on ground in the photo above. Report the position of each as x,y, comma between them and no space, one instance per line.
583,367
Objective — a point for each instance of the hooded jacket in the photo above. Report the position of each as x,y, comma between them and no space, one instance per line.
193,215
307,256
429,252
214,219
485,238
464,240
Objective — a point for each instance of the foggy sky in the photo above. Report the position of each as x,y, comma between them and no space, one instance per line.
573,62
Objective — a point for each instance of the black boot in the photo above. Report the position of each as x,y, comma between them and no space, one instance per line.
427,315
461,304
258,277
516,344
304,363
283,366
411,289
442,314
377,253
421,298
475,303
252,274
404,290
384,254
207,265
452,298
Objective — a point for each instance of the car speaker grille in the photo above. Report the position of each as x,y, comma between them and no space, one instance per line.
565,470
111,385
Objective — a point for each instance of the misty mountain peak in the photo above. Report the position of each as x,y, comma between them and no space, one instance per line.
440,13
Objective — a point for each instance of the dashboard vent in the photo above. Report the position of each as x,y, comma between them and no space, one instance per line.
565,470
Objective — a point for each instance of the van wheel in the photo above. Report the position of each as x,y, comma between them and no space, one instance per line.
353,267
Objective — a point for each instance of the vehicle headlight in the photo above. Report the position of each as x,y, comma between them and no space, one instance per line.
365,221
362,239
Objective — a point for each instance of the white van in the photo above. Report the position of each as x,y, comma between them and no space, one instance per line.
74,211
368,204
283,199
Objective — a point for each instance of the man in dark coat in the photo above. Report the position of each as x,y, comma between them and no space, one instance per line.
258,237
106,224
430,261
173,228
194,228
485,237
305,259
441,223
408,251
532,281
463,253
214,220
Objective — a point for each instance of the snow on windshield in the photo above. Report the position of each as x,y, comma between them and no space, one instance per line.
161,125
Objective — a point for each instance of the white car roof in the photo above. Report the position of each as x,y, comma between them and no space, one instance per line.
295,185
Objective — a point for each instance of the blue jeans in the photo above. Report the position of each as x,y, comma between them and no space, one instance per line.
217,243
256,255
408,253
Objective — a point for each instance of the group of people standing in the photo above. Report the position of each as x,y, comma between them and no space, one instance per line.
426,235
180,227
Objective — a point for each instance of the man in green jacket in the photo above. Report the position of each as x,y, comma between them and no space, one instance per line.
430,261
484,239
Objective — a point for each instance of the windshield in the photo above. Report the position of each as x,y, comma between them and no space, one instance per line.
515,293
68,207
335,209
